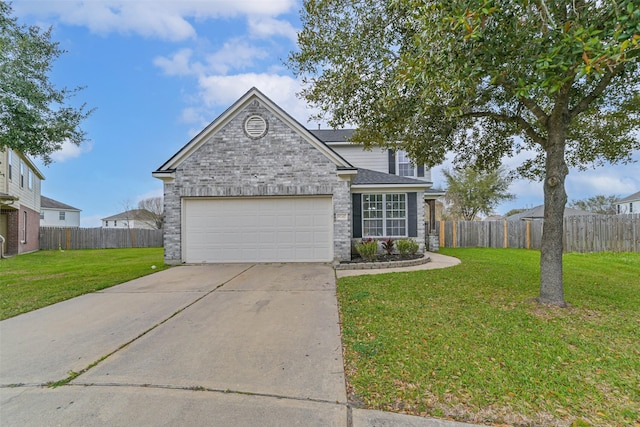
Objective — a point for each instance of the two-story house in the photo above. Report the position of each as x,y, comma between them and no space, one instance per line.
387,161
629,205
19,203
257,186
133,218
57,214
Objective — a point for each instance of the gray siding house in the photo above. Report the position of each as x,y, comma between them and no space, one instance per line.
257,186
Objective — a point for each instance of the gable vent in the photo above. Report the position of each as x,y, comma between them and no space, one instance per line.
255,126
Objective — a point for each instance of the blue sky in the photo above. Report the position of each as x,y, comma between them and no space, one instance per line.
157,72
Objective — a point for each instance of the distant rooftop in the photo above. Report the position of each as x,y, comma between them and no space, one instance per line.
631,198
48,203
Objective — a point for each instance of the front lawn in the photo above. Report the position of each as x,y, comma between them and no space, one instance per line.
38,279
469,343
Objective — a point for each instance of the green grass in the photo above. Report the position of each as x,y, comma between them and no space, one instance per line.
471,344
35,280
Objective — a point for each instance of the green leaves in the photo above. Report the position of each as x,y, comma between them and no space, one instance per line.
428,74
36,118
470,191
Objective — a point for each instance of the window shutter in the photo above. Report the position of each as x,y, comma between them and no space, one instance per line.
356,206
412,214
421,171
392,162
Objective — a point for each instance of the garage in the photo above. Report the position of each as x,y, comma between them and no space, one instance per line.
258,229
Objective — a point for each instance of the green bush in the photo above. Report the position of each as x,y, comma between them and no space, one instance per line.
367,249
407,247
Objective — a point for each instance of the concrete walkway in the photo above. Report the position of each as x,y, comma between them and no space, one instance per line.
222,345
437,261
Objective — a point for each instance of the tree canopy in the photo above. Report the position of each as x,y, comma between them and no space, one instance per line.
483,79
601,204
36,117
470,192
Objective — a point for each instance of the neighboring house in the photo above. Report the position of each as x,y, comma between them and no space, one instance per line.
135,218
19,203
629,205
57,214
538,213
257,186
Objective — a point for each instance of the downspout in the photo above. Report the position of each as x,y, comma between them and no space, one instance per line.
2,240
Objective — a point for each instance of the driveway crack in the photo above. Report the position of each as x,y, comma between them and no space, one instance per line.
72,375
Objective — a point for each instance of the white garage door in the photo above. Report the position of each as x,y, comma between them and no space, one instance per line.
276,229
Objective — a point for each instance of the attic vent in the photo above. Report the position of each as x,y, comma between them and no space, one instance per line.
255,127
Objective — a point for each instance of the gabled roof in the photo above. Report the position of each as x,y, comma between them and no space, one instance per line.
253,94
538,213
133,214
48,203
631,198
332,135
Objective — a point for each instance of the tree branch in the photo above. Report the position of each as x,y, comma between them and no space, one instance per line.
524,125
535,109
597,91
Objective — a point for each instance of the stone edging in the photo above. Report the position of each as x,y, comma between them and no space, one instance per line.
381,265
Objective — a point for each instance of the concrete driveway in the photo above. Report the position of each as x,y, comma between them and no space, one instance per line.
193,345
216,345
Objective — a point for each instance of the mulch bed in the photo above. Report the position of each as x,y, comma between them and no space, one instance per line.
383,258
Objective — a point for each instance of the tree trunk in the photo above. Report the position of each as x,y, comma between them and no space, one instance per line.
555,199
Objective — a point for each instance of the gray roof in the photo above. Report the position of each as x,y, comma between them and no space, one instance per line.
48,203
538,213
332,135
631,198
134,214
367,176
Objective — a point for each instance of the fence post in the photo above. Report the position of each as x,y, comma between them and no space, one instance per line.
528,236
506,234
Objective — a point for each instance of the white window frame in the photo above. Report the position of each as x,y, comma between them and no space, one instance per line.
30,179
21,174
62,215
402,160
389,206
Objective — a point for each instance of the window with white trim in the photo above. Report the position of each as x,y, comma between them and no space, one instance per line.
61,215
30,180
41,214
21,174
405,167
384,215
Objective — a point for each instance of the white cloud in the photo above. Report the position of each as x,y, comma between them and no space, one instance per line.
168,20
222,91
71,151
235,54
264,26
178,64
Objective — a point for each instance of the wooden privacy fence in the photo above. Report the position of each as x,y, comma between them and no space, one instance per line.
591,233
98,238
